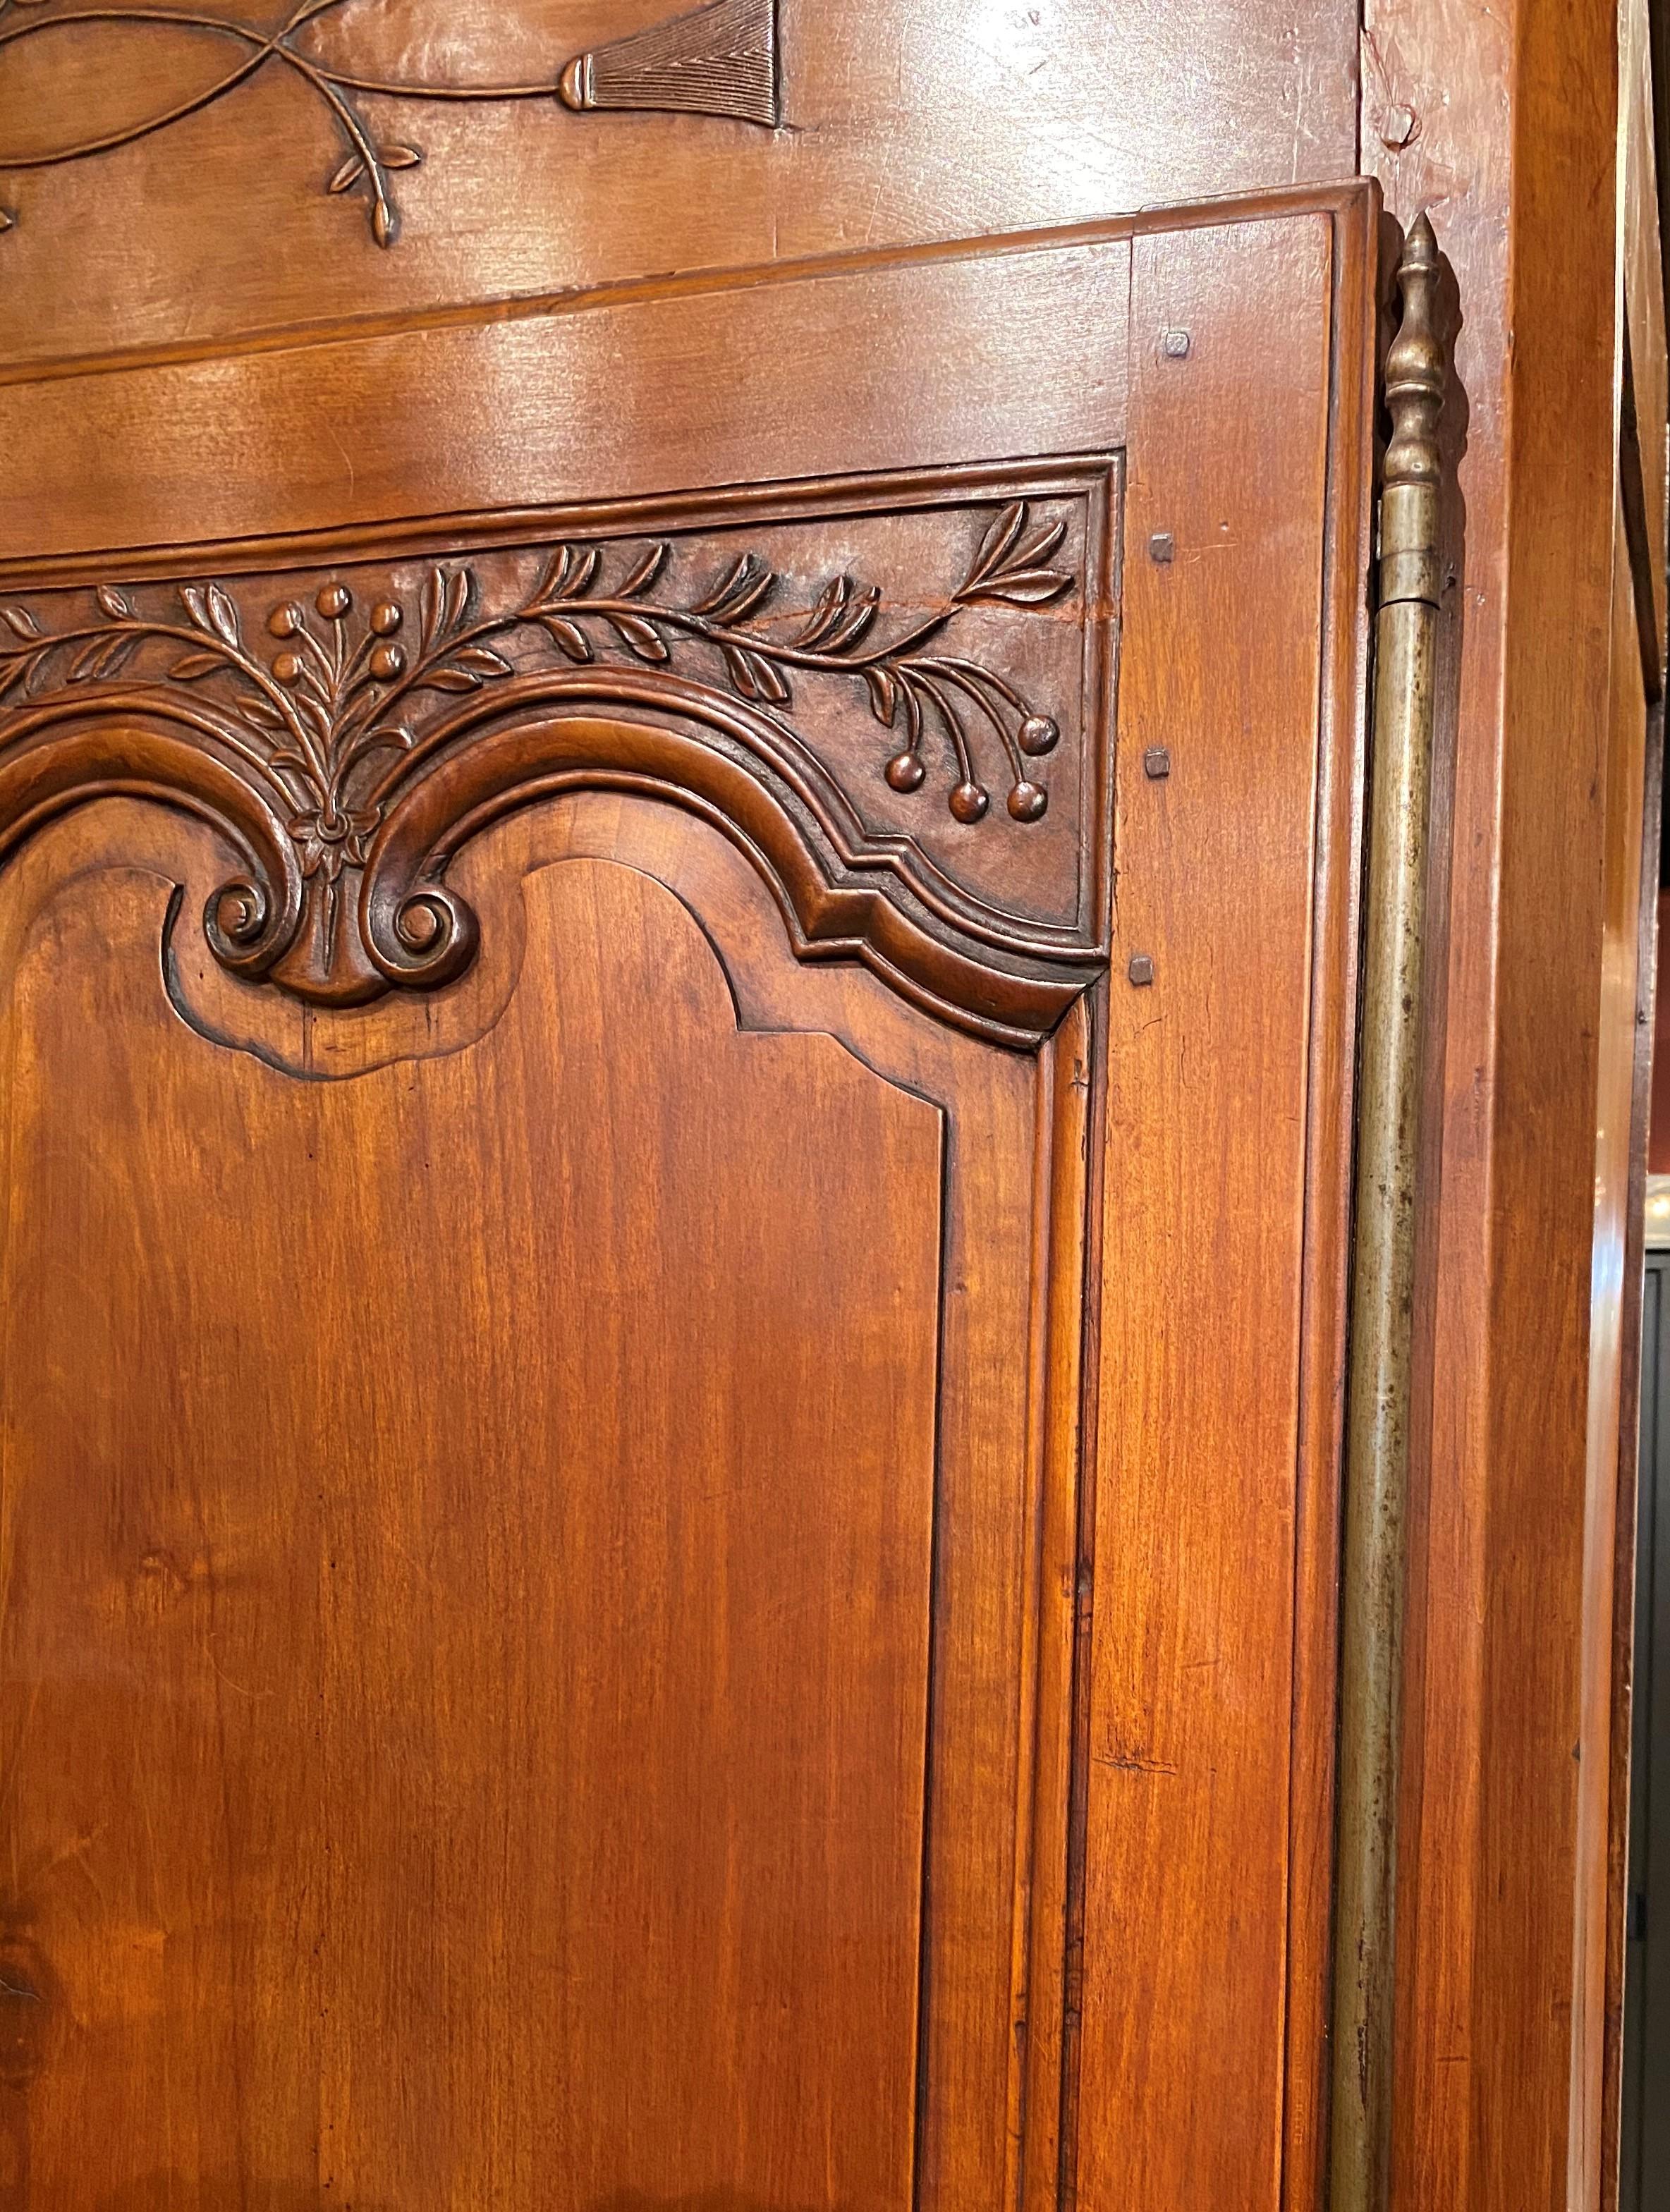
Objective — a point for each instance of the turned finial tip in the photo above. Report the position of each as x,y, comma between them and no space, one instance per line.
1420,247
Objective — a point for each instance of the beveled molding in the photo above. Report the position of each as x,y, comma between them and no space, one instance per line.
892,694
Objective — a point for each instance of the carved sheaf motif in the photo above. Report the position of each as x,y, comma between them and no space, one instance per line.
720,60
347,731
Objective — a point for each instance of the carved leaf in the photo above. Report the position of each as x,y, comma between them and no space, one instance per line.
639,637
384,224
259,708
827,614
432,600
557,573
480,660
223,617
194,666
1032,552
113,658
857,620
883,694
647,571
998,541
1010,566
745,588
348,175
1022,587
112,604
568,638
755,677
400,157
445,602
20,622
467,669
585,574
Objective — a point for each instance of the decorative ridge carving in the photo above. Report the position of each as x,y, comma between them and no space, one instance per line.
726,53
720,60
368,737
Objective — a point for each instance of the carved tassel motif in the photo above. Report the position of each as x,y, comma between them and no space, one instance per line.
722,60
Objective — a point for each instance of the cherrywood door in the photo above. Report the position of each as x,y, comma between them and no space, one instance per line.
675,982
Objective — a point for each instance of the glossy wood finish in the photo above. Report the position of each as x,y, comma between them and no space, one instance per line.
901,123
637,1650
484,1710
1642,493
1610,1370
482,413
1513,142
1210,1754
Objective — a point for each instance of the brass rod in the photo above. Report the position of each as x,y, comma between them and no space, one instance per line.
1375,1566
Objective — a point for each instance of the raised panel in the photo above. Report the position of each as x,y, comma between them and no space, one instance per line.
482,1585
772,1339
529,1675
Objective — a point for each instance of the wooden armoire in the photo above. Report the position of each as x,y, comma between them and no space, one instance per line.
683,754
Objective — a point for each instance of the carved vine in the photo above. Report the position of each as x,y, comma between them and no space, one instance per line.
720,60
331,713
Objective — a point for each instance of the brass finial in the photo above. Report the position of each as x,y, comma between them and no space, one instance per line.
1414,399
1375,1559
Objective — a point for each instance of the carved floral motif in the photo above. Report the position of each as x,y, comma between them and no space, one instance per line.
331,706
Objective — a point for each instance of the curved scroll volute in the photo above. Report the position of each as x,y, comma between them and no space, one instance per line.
567,730
352,734
58,758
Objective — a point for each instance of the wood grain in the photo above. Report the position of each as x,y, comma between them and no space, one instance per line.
904,122
526,1805
1614,1307
747,379
1516,154
520,1641
1202,1456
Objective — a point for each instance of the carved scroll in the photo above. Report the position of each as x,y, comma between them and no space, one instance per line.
351,731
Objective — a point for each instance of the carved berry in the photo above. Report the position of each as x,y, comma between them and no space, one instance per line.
1038,734
387,617
334,601
286,621
1027,801
905,772
388,662
287,667
969,802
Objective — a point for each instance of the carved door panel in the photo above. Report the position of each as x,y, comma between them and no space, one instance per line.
675,1028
